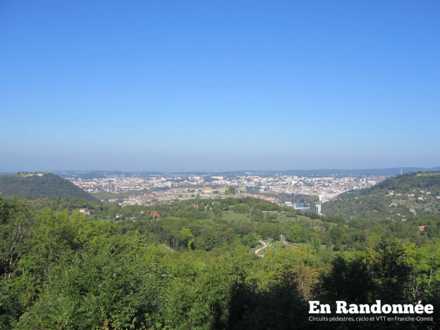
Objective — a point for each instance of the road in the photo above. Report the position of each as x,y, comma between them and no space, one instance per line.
262,248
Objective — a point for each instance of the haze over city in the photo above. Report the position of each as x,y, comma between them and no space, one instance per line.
194,85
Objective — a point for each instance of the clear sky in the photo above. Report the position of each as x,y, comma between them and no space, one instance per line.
219,85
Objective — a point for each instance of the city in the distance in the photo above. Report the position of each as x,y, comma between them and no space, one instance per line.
219,165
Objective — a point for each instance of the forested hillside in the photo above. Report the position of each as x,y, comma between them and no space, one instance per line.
402,198
40,185
199,264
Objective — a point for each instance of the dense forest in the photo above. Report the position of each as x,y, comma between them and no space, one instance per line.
202,264
410,196
40,185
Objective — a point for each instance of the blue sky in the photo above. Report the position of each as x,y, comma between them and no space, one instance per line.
219,85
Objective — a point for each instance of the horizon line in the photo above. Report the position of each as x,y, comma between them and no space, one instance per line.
394,168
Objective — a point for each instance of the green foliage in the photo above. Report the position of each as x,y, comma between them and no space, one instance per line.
403,198
195,267
39,185
383,272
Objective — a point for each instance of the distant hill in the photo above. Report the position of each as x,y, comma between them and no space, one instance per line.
398,198
40,185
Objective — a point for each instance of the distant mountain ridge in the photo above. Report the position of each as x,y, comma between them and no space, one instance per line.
40,185
397,198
